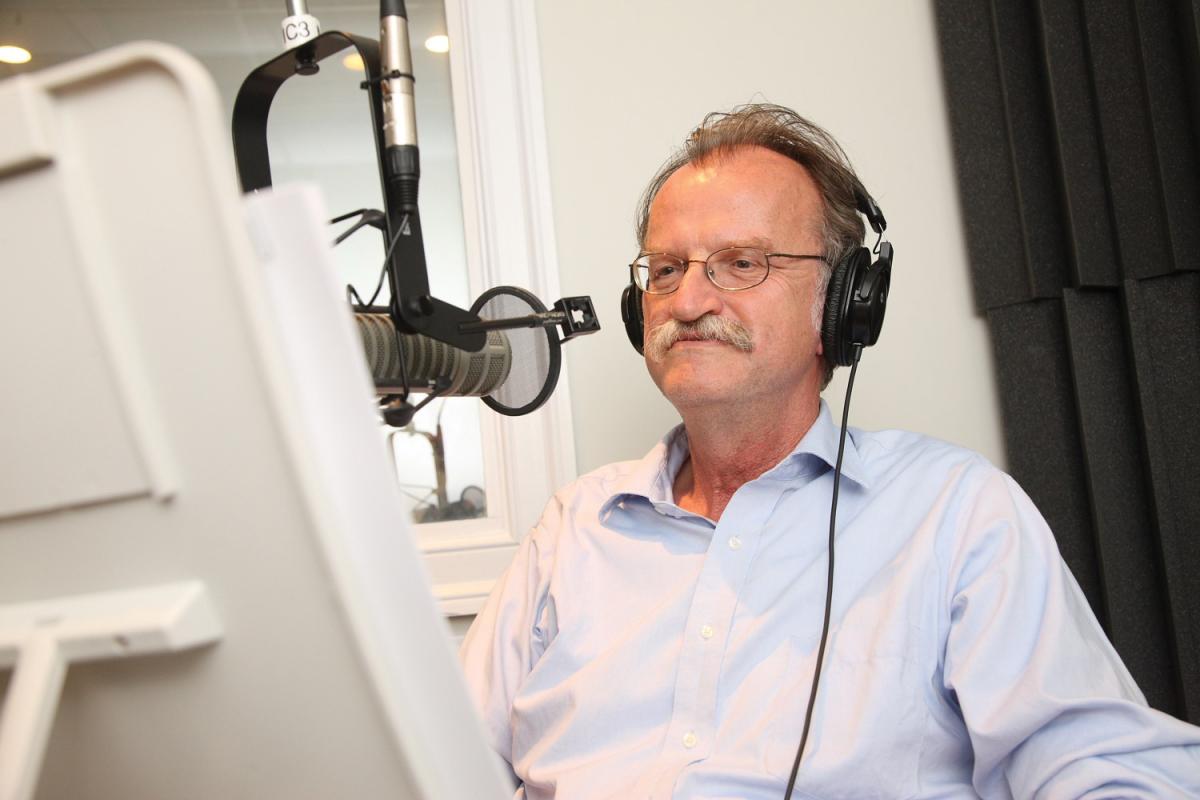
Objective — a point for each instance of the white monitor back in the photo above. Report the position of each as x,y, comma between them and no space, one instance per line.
184,399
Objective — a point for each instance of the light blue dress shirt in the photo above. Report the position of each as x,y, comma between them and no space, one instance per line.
635,650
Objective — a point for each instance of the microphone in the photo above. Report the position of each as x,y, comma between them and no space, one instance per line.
429,363
515,372
401,158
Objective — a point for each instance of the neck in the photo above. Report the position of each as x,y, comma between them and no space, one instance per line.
724,455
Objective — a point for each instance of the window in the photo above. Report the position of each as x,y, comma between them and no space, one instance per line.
485,207
505,183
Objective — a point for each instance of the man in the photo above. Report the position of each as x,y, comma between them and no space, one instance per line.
657,632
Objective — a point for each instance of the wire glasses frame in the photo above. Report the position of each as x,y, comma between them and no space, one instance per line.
732,269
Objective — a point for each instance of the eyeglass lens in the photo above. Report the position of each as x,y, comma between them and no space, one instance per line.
732,268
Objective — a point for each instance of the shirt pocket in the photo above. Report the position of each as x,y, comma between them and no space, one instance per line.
868,722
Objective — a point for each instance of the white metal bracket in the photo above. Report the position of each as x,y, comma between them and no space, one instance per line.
42,639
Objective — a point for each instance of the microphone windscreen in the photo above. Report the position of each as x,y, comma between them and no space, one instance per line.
536,352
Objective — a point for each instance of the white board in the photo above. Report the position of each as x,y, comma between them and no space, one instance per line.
185,401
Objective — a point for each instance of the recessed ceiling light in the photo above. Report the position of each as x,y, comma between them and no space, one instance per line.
438,44
11,54
354,62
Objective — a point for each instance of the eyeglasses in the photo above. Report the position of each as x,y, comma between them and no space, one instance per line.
732,269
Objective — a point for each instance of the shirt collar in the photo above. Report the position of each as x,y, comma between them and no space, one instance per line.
821,441
653,477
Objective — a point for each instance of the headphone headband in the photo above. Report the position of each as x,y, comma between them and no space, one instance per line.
869,208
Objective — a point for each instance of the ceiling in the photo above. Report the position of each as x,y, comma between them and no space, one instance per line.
56,30
232,37
319,128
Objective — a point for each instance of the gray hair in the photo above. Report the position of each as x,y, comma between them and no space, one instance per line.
785,132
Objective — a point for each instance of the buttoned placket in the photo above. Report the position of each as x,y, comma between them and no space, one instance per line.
693,728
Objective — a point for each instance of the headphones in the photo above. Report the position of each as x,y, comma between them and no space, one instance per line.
855,299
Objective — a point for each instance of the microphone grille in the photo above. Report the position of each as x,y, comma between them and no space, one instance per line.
493,370
427,360
378,344
474,371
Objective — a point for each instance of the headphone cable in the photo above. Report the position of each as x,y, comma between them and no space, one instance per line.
837,480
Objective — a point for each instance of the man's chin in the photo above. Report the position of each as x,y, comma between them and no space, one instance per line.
685,387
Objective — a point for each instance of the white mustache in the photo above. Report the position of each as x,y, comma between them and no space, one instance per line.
708,328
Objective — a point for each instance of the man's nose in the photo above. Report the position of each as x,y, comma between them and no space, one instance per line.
696,295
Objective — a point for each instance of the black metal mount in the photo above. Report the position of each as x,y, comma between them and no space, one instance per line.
413,309
574,315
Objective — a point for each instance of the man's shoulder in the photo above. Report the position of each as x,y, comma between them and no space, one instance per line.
892,451
972,506
581,502
602,482
636,476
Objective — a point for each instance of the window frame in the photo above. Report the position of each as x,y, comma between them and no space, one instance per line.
504,176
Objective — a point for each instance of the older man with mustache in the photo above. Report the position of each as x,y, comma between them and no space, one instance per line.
659,631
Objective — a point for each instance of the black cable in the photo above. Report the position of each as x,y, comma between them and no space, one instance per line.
374,218
837,480
383,270
402,365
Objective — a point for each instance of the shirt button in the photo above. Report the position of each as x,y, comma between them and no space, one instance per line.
735,543
706,632
689,740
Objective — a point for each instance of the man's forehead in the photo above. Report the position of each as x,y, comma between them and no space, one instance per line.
703,171
732,239
754,169
732,174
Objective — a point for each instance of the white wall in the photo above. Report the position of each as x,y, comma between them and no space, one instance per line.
625,82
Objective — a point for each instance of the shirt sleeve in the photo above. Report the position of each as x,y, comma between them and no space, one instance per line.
511,631
1050,709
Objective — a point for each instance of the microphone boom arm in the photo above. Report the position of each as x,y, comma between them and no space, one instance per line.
413,309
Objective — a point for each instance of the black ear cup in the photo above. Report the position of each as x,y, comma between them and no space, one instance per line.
855,303
837,300
870,300
631,315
